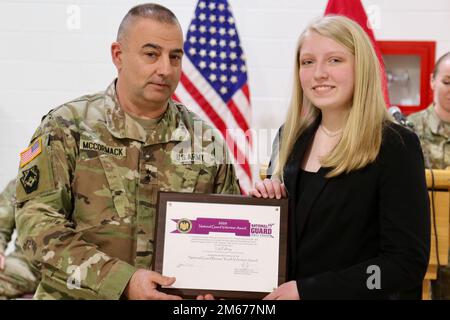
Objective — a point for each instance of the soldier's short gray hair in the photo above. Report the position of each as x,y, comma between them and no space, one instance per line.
147,10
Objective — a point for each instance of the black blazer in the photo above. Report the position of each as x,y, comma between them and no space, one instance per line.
375,216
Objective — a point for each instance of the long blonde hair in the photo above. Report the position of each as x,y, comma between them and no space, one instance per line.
362,132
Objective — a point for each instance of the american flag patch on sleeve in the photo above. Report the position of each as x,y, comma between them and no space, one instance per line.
31,152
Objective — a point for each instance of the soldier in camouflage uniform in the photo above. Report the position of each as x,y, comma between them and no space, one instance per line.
88,183
17,276
434,135
433,124
433,128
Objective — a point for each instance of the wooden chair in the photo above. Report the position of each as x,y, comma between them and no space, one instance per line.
442,207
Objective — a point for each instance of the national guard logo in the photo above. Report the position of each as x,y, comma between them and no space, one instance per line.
184,225
30,179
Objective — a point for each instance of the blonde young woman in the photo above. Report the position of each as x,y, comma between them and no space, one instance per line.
359,211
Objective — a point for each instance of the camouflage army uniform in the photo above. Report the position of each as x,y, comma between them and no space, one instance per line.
86,203
434,135
18,277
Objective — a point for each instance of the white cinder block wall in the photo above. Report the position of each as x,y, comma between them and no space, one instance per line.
47,56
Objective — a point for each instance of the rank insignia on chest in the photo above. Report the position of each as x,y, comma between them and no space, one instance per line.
30,179
27,155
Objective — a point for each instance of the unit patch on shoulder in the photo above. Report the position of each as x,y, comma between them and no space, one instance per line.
27,155
30,179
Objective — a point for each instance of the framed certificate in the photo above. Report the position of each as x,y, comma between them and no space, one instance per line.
230,246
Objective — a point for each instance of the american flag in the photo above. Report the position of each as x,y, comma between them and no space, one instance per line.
214,80
30,153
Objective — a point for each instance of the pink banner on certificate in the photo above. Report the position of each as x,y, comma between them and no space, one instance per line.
207,225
